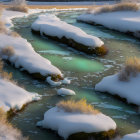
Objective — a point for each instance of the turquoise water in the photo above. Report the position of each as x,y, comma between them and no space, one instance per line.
84,71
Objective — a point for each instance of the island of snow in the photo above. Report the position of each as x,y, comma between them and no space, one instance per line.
64,92
69,122
134,136
14,97
125,89
52,27
20,53
122,21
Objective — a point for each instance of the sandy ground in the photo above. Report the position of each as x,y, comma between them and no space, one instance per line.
54,6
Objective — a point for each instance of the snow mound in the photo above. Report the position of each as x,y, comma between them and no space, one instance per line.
67,123
123,21
128,90
64,92
25,57
65,81
53,83
51,25
14,97
134,136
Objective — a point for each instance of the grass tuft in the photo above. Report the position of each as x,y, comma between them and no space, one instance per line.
77,106
118,7
7,131
131,68
18,5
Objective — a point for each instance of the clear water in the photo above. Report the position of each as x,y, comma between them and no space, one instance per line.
85,71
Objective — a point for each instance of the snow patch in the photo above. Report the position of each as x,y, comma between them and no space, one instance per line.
25,56
123,21
51,25
14,97
67,123
133,136
64,92
128,90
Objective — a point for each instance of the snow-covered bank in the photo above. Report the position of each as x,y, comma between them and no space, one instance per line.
52,27
134,136
26,58
125,89
8,15
14,97
68,123
123,21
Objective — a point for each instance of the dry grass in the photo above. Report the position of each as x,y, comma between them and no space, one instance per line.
20,8
18,5
14,34
7,131
7,51
118,7
77,106
131,68
2,24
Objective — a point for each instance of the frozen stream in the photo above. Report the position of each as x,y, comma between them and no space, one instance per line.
85,71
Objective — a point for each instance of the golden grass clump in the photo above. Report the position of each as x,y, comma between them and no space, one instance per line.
14,34
2,24
131,68
118,7
7,51
77,106
3,74
19,8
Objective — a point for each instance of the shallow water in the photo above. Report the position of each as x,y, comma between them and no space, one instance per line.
84,71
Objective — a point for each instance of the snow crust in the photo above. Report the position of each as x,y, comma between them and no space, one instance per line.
123,21
128,90
51,25
70,123
26,57
133,136
14,97
64,92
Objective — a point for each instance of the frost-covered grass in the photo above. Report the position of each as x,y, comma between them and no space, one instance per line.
118,7
131,68
77,106
7,131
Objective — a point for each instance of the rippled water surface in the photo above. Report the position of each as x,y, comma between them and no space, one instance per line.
84,71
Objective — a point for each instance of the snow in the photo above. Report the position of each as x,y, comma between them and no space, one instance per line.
51,25
64,92
134,136
14,97
128,90
65,81
67,123
123,21
25,57
8,15
53,83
